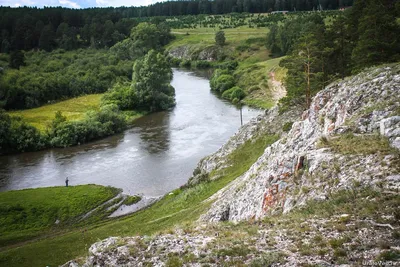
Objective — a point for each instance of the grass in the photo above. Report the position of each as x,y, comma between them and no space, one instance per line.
206,36
73,109
255,80
247,46
130,200
178,208
26,213
358,144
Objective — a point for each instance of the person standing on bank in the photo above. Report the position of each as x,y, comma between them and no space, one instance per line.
66,182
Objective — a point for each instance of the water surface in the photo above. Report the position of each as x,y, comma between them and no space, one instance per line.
155,156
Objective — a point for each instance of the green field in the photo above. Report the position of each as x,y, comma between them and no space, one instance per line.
183,206
29,213
73,109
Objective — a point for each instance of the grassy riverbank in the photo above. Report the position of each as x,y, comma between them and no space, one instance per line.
29,213
183,206
257,74
73,109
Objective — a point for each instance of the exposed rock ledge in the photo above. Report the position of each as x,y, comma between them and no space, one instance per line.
294,169
290,172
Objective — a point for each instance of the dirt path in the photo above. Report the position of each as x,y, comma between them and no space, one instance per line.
277,89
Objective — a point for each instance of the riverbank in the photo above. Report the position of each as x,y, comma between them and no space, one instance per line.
36,213
179,207
257,73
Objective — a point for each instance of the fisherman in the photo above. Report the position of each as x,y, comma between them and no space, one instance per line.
66,182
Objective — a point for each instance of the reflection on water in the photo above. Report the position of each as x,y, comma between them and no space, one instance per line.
157,155
154,131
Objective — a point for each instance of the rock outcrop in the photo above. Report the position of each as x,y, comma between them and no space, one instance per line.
344,150
298,167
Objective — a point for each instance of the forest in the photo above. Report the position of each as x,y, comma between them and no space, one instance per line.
27,28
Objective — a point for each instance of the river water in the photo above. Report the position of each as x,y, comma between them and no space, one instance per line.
155,156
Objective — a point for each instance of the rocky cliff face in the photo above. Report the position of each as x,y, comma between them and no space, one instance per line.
341,157
299,167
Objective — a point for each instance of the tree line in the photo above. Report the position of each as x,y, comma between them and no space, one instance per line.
28,28
319,51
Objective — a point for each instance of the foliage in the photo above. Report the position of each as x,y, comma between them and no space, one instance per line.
223,83
143,38
108,121
151,82
319,52
122,95
17,135
17,59
234,94
378,33
287,126
73,109
59,75
220,38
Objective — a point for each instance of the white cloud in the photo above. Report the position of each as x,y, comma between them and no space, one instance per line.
68,3
12,3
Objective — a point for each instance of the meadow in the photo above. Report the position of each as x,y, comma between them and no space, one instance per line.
73,109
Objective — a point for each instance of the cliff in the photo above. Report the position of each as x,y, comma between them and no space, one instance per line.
326,193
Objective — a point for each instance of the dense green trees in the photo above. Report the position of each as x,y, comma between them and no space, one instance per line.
17,136
60,75
150,89
317,53
151,81
143,38
55,27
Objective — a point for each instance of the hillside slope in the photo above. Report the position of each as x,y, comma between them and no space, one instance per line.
326,193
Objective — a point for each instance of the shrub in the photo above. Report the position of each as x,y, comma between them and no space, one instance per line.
234,94
223,83
220,38
107,121
201,64
287,126
185,64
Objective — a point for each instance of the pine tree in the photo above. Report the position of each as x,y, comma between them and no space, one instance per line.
378,33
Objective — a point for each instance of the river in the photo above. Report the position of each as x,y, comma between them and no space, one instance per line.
155,156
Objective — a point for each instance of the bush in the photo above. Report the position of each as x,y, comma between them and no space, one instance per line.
220,38
223,83
235,94
201,64
122,95
185,64
228,65
18,136
107,121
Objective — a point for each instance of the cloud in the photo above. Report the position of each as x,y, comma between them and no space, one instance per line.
12,3
68,3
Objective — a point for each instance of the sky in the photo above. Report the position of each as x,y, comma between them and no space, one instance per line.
77,3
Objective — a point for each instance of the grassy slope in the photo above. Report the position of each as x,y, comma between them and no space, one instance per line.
27,213
247,45
178,208
73,109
